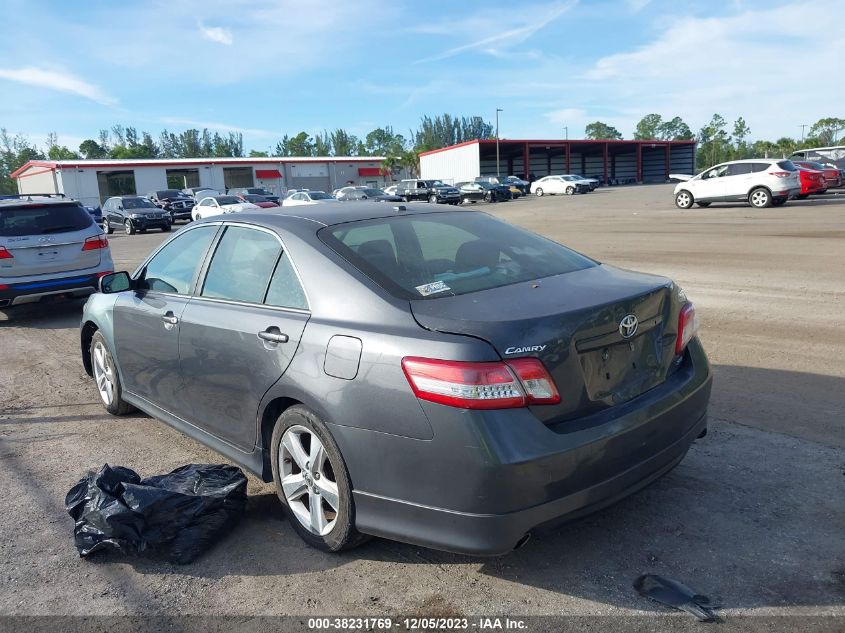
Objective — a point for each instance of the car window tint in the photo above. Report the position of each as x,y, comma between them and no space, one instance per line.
241,266
285,290
426,257
738,169
758,167
173,268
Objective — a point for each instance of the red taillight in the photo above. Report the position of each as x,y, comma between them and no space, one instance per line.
4,254
687,327
95,242
780,174
468,385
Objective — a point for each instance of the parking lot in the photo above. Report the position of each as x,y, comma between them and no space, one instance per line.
754,514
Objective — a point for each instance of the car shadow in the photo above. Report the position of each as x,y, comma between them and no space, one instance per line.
46,315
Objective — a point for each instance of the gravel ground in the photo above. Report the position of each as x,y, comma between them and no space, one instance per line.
754,514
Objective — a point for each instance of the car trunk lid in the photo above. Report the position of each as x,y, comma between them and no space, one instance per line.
571,322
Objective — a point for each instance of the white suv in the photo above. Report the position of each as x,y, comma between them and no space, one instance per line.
759,181
49,247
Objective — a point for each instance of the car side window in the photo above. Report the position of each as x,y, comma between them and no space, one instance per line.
739,169
285,290
758,167
716,172
174,267
241,266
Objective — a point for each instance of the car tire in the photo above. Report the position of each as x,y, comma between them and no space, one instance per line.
570,190
404,198
778,202
432,199
684,199
129,228
488,197
802,196
106,377
166,228
108,228
760,198
539,192
703,205
294,434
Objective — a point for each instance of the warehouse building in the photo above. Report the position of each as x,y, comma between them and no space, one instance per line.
611,162
93,181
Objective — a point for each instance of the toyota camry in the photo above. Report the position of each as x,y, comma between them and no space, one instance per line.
437,377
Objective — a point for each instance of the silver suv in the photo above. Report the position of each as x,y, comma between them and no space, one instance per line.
49,247
761,182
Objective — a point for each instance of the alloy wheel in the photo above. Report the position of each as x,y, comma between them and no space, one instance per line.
103,373
759,198
308,480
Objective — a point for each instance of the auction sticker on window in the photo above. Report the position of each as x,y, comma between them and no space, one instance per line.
433,288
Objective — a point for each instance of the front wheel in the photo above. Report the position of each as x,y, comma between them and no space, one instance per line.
684,199
107,378
108,228
432,199
129,228
538,192
760,198
312,482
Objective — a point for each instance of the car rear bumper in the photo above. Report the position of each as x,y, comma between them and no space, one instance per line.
487,479
35,290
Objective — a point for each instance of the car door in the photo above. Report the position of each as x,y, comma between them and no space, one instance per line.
710,186
106,209
147,319
737,181
240,331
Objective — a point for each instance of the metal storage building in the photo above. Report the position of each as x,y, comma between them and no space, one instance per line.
92,181
611,162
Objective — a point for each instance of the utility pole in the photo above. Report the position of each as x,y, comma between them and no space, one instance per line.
497,140
566,132
803,125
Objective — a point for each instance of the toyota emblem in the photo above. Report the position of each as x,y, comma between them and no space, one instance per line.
628,326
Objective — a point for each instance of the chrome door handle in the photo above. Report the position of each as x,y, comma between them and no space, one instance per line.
273,335
169,319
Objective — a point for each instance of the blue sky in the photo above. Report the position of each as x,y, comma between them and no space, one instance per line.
268,68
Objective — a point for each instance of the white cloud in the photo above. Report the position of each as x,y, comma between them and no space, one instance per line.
535,18
216,34
637,5
60,81
566,115
220,127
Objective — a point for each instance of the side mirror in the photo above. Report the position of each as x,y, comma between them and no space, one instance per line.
115,282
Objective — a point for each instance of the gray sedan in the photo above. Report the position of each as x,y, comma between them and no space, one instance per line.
436,377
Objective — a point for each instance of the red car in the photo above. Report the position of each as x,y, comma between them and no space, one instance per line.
255,199
812,181
832,176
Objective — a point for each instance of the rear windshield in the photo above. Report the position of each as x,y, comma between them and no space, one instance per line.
227,200
319,195
445,254
788,165
43,219
169,193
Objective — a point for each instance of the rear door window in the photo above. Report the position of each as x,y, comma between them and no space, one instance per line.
787,165
241,266
174,268
428,256
43,219
739,169
285,291
759,167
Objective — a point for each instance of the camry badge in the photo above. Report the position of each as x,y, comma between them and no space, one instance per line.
628,326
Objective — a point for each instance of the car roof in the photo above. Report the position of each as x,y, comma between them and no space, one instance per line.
39,199
329,214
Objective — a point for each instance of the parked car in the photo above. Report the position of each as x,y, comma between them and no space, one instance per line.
523,186
444,379
96,214
390,190
256,191
591,183
198,193
177,203
345,194
301,198
488,192
50,248
812,182
553,185
217,205
759,181
832,175
433,191
259,201
134,214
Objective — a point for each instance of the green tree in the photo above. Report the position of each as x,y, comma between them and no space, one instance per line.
90,148
256,154
322,144
14,153
827,131
344,143
741,131
714,142
675,130
785,145
601,131
649,128
56,151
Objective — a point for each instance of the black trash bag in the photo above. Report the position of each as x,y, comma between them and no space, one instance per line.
675,594
177,516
